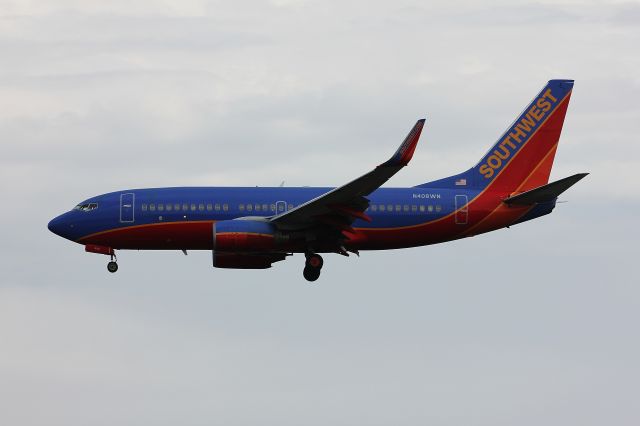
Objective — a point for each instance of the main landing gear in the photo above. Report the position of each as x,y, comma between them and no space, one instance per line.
112,266
312,266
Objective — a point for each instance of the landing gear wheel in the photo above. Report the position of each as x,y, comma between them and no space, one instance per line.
112,266
311,274
312,266
314,261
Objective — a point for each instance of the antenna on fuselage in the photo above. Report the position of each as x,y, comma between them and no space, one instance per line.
281,184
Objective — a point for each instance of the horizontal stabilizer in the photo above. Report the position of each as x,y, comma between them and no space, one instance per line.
544,193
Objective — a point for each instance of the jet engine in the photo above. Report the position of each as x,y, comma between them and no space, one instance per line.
247,244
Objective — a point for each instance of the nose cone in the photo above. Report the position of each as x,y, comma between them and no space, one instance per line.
59,226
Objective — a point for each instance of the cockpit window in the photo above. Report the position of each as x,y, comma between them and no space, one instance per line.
86,207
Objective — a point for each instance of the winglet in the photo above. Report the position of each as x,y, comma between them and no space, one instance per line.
405,152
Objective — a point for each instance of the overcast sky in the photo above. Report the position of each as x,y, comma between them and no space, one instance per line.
535,325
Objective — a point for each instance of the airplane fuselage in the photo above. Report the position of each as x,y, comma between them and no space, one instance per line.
182,218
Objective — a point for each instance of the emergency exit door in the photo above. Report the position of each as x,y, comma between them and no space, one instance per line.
462,209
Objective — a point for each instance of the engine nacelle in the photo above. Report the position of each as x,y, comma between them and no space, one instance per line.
245,236
247,244
245,261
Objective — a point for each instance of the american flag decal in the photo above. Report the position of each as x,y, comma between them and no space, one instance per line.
461,182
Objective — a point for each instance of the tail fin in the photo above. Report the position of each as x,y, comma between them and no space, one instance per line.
523,156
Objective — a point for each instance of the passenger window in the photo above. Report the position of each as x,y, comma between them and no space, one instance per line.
217,207
249,207
438,207
374,208
176,206
169,207
209,207
422,209
160,207
257,207
414,208
225,207
273,207
265,207
185,207
382,207
152,207
398,207
144,207
430,209
201,207
241,207
389,207
193,207
405,208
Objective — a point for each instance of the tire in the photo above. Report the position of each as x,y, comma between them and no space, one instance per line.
112,267
311,274
314,261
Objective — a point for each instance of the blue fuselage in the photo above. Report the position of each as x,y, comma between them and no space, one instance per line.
180,218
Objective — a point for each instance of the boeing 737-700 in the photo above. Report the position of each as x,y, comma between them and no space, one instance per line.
254,227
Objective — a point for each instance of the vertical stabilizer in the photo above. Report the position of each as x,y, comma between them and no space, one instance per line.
522,157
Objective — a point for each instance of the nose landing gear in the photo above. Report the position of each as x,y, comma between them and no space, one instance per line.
312,267
93,248
112,266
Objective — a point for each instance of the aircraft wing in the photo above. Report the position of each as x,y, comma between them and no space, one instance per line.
339,207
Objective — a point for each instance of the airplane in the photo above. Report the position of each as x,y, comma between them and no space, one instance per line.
255,227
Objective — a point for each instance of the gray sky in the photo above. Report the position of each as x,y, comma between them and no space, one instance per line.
533,325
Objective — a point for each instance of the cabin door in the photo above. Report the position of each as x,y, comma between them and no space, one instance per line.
127,204
462,209
281,207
